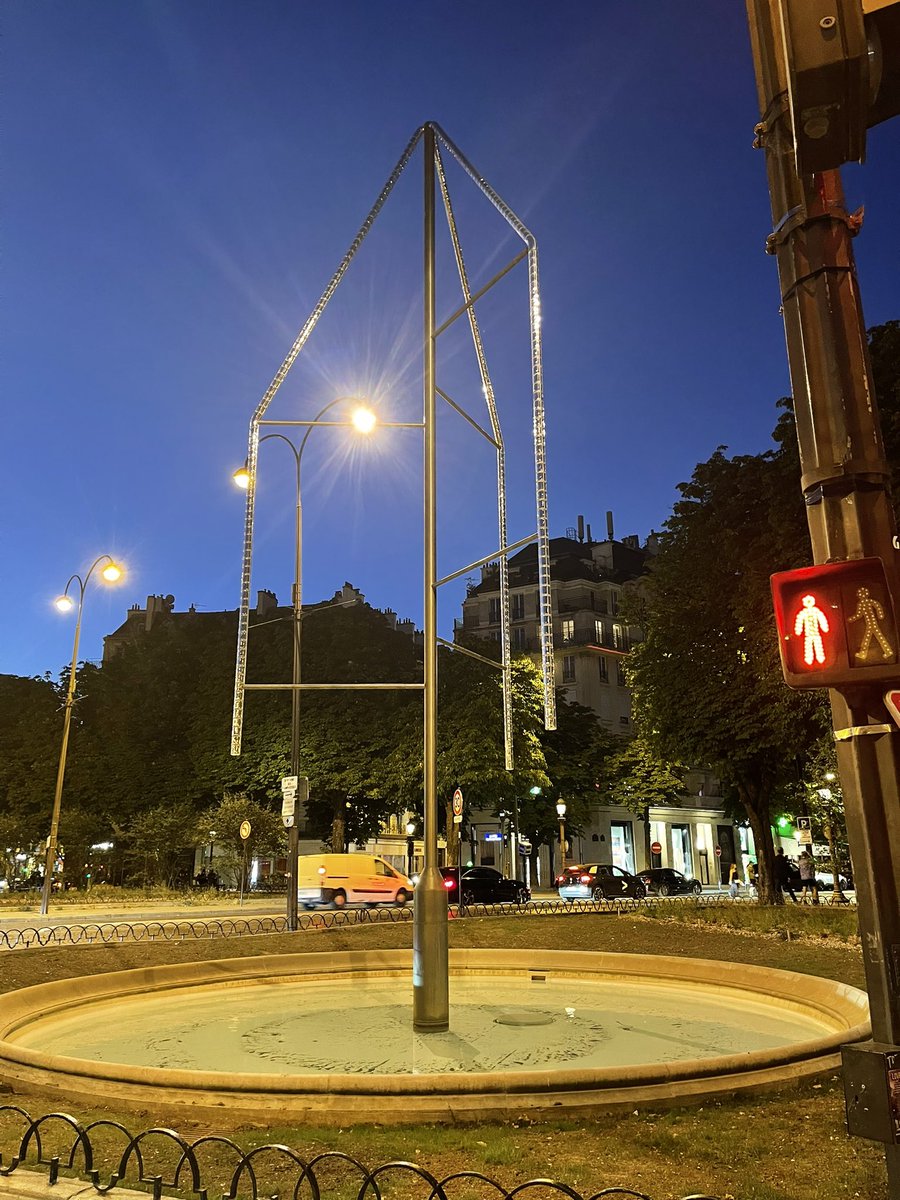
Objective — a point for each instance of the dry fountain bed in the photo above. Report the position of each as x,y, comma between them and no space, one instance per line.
787,1146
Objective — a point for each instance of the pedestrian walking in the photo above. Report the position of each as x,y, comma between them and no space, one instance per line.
807,866
783,874
733,881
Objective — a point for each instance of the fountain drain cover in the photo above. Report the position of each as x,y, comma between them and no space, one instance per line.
523,1017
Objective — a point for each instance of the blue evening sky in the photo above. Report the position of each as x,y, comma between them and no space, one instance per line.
180,180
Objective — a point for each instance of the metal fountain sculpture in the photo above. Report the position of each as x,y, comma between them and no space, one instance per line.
430,940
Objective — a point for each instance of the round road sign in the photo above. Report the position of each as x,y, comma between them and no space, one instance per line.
245,830
656,848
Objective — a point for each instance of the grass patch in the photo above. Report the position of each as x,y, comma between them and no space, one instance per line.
786,921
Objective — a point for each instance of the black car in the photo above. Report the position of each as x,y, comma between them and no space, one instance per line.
664,881
600,881
483,885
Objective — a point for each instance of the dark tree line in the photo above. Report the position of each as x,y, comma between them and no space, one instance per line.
150,768
707,682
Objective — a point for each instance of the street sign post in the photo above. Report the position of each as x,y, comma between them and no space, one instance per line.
245,831
457,806
804,831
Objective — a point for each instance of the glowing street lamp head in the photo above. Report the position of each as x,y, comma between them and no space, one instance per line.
241,477
64,603
364,420
112,572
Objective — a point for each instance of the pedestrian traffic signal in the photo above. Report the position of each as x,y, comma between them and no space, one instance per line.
843,59
836,624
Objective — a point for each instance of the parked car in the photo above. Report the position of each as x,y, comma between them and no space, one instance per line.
825,880
483,885
665,881
600,881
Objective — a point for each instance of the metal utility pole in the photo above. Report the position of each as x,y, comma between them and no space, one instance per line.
431,991
845,484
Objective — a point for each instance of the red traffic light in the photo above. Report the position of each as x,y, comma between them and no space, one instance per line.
836,624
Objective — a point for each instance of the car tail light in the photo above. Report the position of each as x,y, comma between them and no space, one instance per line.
449,883
585,879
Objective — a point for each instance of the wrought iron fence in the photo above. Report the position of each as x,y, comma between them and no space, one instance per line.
178,930
107,1154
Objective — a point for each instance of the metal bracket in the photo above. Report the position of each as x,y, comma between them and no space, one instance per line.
852,731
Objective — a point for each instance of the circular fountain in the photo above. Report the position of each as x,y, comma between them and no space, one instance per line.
328,1037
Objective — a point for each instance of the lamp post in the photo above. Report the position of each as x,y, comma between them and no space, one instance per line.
65,603
410,846
561,813
363,420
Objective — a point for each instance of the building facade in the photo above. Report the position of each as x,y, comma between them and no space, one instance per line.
592,639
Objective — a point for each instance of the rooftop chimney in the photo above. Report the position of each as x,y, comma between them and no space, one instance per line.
609,526
580,528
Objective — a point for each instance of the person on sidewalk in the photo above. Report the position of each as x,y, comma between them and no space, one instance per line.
808,879
783,874
733,881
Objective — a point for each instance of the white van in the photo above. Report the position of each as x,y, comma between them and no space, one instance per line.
336,880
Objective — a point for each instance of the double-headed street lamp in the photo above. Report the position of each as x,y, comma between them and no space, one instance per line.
110,572
363,420
561,813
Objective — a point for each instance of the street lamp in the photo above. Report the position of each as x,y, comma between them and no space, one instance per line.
410,846
363,420
110,572
561,813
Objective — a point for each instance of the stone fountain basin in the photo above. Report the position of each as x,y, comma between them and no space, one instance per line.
536,1032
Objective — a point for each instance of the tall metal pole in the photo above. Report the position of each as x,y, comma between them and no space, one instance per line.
50,856
845,480
431,999
294,831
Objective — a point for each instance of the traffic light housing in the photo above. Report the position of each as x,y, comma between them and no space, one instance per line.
843,60
836,625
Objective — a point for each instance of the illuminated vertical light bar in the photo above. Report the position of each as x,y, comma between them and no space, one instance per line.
540,482
488,392
540,452
240,670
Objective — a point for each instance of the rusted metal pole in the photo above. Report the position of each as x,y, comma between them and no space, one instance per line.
845,484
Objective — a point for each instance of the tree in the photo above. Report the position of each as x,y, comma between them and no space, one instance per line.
706,679
158,842
221,824
30,733
638,779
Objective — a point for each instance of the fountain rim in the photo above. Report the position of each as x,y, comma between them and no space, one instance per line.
841,1005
